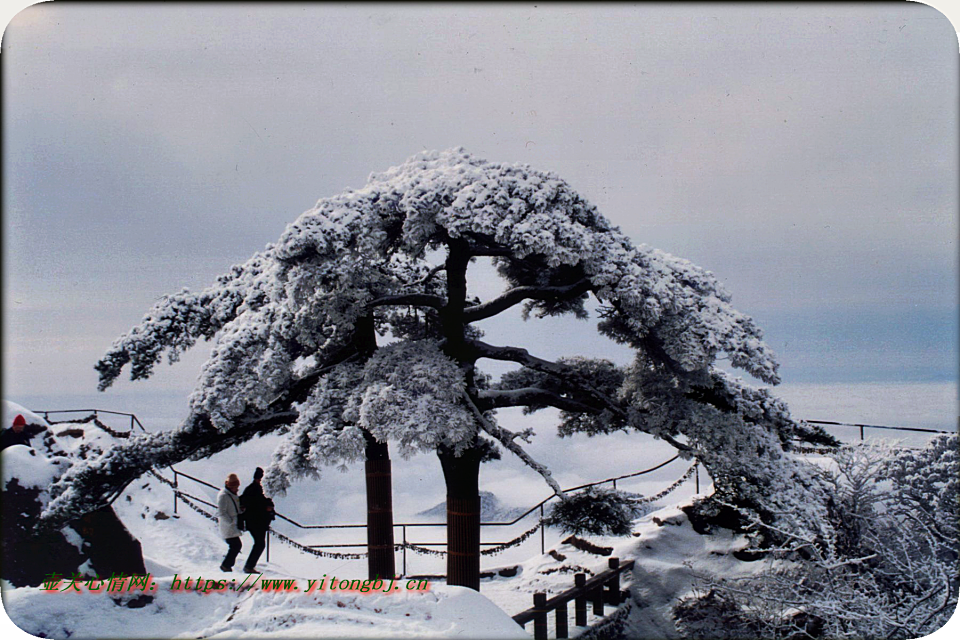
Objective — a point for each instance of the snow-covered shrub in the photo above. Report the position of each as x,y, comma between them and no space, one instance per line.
890,570
594,510
701,615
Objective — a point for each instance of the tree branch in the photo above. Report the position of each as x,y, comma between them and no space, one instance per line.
409,299
519,294
506,438
437,269
93,485
483,245
527,396
569,375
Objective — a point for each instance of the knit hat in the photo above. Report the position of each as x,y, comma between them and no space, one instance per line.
258,473
19,421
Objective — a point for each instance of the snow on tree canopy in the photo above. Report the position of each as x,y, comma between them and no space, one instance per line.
295,348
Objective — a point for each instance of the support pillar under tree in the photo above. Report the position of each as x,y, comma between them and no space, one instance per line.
462,476
381,561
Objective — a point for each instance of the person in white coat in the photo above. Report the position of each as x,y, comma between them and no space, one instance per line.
228,516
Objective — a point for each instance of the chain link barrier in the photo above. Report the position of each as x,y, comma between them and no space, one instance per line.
500,548
673,487
317,552
523,537
95,420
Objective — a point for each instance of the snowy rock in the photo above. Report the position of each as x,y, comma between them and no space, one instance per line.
670,557
95,544
11,410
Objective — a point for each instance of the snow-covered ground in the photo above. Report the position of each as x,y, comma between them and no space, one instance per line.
188,545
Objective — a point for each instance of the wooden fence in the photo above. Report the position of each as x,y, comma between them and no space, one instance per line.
599,590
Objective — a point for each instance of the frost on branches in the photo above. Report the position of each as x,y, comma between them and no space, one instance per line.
889,571
288,354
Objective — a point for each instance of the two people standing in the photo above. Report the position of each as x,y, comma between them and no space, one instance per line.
251,510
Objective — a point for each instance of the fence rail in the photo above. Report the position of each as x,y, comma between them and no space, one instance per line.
424,547
406,544
874,426
134,420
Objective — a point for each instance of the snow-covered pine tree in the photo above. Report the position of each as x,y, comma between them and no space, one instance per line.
286,357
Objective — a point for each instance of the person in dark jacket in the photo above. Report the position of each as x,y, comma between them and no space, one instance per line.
15,434
257,515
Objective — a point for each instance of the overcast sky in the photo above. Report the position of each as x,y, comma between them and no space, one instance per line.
807,155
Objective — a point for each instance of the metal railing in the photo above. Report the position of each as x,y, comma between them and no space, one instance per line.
874,426
421,547
406,543
134,420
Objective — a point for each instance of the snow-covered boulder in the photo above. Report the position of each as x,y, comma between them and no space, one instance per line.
95,545
11,410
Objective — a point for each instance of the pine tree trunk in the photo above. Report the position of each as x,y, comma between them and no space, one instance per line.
381,561
462,476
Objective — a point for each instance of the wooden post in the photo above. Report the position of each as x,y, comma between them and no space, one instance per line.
613,585
404,551
580,602
562,621
175,487
540,616
696,473
597,597
543,547
268,545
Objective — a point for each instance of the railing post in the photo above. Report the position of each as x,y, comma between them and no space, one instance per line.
614,484
861,432
613,585
268,545
580,602
597,597
175,492
404,551
543,546
540,616
562,621
696,474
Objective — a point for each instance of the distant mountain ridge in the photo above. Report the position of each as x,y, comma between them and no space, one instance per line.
491,509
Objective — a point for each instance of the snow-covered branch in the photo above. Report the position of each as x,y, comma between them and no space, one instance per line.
522,356
508,440
519,294
409,299
530,396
